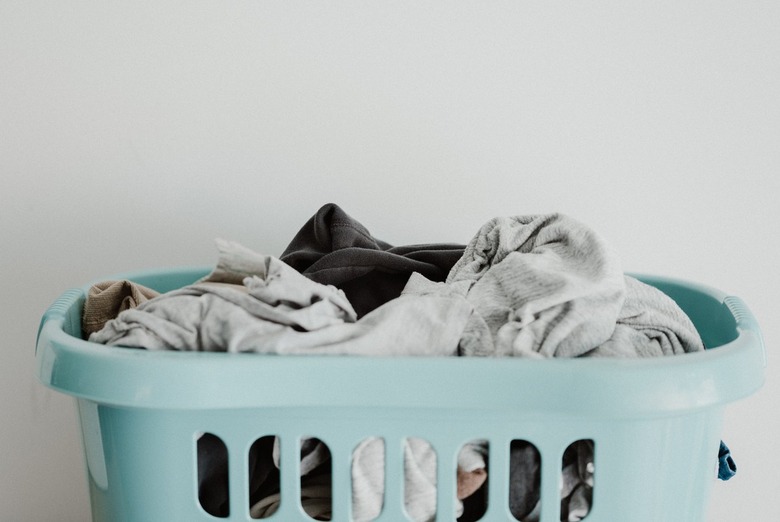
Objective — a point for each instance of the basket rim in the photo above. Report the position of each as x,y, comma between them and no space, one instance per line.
603,387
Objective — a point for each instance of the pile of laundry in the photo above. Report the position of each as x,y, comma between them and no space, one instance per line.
526,286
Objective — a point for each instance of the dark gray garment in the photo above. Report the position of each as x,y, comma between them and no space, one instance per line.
524,478
213,475
332,248
576,485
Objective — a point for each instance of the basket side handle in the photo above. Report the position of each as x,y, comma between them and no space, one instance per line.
66,309
746,321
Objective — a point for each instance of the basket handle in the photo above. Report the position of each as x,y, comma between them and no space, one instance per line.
745,319
62,309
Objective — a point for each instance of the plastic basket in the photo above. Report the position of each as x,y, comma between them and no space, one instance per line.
655,423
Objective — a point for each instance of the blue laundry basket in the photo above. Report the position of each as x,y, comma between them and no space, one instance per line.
655,423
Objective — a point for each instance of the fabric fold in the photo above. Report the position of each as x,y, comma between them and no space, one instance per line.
333,248
277,310
107,299
541,286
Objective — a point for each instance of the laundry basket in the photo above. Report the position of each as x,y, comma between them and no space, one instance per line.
655,423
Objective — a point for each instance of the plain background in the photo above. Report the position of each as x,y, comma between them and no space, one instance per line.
134,133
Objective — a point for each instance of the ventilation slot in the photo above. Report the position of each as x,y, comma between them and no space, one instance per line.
577,468
213,475
525,479
368,479
472,477
419,479
264,496
316,478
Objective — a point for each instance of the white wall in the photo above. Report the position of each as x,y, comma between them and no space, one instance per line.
133,133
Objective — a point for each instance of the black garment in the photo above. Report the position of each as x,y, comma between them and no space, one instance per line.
333,248
524,478
213,475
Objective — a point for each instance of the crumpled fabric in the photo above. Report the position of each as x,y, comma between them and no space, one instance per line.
335,249
315,499
727,468
577,480
541,286
276,310
650,324
548,286
107,299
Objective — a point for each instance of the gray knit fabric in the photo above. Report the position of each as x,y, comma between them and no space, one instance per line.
548,286
541,286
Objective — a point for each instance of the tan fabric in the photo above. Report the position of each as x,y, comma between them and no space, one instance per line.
472,467
105,300
470,481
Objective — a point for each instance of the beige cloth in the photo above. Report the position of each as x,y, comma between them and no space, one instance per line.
105,300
